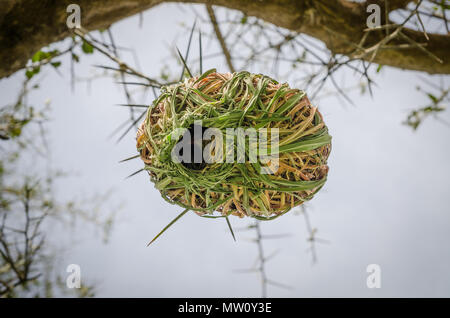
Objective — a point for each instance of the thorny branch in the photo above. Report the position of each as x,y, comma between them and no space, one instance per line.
262,259
27,201
313,18
26,245
122,66
249,41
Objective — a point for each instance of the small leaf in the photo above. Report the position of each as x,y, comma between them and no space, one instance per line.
433,98
75,57
31,72
168,225
41,55
38,56
16,131
56,64
87,48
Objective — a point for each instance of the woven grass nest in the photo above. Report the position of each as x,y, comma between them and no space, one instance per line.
241,99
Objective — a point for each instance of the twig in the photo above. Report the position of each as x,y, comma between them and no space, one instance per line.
220,38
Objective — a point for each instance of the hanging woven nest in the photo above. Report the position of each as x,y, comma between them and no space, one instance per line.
241,99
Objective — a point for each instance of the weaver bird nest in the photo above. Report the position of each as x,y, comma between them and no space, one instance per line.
292,171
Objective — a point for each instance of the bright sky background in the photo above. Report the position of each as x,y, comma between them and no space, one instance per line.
385,202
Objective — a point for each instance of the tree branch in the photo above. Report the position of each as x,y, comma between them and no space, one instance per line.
223,45
28,25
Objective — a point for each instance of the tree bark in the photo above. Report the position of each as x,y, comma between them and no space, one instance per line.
28,25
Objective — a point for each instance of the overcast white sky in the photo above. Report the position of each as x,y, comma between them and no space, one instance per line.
385,202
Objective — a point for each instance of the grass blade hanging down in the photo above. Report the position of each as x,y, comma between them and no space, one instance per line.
168,225
229,226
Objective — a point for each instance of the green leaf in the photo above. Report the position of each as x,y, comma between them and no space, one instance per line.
56,64
433,98
16,131
31,72
75,57
38,56
41,55
87,48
